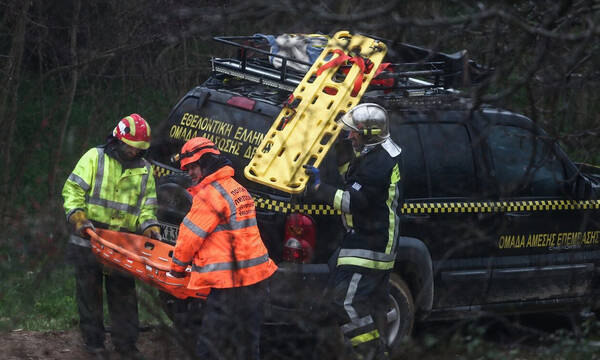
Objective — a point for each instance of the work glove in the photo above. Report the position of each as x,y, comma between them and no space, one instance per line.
315,178
176,274
153,232
80,222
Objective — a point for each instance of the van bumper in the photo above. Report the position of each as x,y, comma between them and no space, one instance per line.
297,291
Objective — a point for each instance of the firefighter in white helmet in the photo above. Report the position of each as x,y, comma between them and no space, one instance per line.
370,201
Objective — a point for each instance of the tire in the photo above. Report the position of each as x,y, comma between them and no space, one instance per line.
400,313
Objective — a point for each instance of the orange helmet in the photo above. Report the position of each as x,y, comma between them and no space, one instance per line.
194,149
134,131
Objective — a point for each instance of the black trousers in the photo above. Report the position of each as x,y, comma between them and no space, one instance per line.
359,302
121,297
231,323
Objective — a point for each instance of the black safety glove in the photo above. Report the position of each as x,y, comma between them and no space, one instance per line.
176,274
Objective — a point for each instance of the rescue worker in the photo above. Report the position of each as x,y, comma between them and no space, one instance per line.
219,238
112,187
370,201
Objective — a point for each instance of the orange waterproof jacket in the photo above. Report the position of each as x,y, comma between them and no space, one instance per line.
219,236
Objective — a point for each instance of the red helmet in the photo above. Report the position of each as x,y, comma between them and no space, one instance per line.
194,149
134,131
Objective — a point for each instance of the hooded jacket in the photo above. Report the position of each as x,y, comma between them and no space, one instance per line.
219,236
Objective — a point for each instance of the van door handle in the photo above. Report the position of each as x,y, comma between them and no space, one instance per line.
417,216
517,214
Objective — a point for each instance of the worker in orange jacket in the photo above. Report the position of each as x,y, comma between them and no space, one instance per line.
219,238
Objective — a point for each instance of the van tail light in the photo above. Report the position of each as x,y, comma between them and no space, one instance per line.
242,102
300,239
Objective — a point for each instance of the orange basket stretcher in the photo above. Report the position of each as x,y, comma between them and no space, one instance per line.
147,259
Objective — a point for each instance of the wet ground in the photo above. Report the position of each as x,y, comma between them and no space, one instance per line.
545,336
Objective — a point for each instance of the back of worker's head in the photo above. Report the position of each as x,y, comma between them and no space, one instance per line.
194,150
201,152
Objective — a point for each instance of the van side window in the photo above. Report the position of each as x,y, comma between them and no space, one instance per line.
414,175
525,164
449,158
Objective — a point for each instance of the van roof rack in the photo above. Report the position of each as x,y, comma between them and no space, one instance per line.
415,69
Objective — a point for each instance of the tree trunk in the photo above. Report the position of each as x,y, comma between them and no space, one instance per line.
9,102
72,91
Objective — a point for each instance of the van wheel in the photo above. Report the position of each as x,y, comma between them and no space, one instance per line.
400,312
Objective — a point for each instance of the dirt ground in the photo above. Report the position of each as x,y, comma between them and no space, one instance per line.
505,342
33,345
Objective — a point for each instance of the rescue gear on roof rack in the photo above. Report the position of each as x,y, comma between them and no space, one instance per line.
411,68
303,47
134,131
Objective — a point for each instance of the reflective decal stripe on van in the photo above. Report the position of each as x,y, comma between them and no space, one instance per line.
499,206
438,207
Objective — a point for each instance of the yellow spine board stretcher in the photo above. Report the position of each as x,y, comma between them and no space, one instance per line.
147,259
306,127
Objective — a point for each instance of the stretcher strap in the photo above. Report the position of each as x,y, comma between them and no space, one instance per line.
342,58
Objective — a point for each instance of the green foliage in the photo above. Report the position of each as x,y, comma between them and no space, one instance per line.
484,339
31,301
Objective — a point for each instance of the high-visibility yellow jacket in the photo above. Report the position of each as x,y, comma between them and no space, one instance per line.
112,197
219,236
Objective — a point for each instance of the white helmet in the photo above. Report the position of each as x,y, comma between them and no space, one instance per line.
370,121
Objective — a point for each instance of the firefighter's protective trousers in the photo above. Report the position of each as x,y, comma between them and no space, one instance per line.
360,301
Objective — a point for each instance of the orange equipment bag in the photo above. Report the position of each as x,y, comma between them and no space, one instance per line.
147,259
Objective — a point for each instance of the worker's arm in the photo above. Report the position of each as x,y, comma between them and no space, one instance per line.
354,197
197,225
79,183
148,224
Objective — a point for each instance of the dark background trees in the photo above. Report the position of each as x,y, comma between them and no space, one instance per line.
70,69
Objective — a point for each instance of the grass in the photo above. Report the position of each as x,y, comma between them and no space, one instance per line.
29,302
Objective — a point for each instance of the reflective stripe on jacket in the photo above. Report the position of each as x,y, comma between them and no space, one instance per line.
120,199
219,236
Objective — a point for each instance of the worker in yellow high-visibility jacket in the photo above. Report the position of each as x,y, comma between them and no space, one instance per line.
111,187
